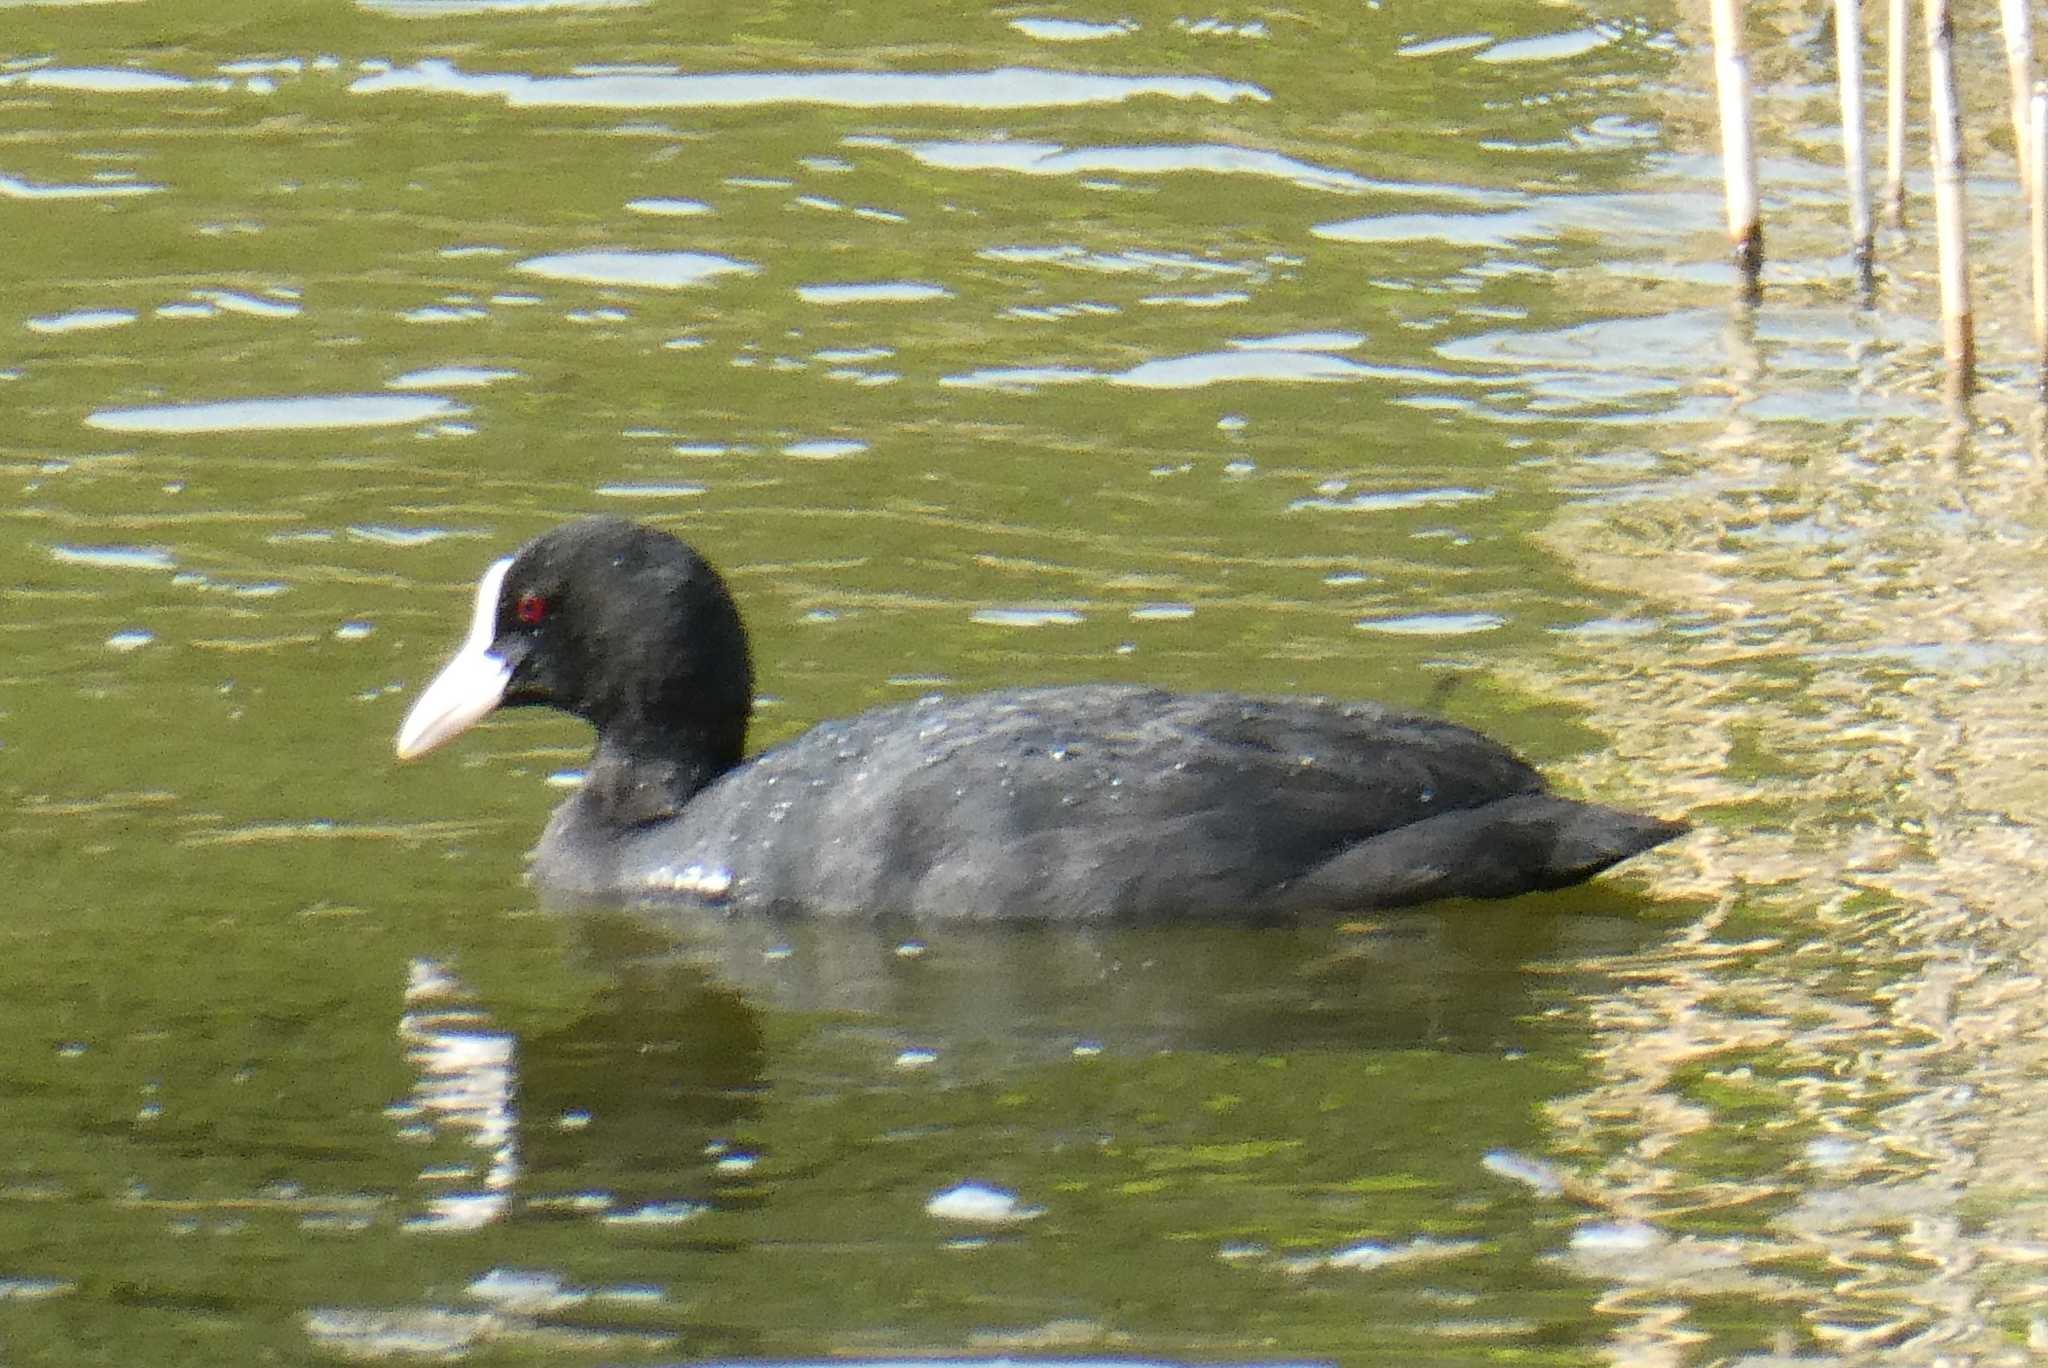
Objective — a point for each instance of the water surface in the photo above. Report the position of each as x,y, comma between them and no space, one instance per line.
1378,351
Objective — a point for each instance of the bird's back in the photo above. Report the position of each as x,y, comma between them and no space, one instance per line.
1078,803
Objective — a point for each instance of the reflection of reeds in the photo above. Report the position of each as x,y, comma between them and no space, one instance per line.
2037,224
2016,23
1895,113
1841,683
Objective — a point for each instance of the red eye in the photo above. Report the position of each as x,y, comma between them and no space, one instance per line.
530,609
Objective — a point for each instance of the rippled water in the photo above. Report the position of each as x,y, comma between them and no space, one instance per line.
1370,350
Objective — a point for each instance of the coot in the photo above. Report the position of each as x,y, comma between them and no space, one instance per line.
1082,803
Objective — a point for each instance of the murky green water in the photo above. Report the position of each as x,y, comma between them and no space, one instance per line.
1374,350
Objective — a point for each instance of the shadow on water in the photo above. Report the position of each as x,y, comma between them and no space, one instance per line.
692,1035
639,1089
1199,1126
1461,977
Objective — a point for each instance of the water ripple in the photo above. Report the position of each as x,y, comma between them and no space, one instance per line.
669,208
1143,261
873,292
1216,368
1050,159
17,187
447,9
1621,217
1004,88
1550,47
450,377
652,270
81,320
1018,379
1433,624
1383,500
98,80
1437,47
115,557
295,413
1071,30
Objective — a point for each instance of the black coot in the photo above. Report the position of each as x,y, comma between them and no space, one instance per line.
1093,802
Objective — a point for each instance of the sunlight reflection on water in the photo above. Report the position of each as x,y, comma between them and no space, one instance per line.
653,270
1005,88
290,413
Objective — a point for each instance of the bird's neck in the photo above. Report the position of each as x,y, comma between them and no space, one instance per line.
640,775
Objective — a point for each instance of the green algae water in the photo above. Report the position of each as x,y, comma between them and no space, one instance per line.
1378,350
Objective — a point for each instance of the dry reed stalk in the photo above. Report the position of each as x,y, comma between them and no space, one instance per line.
1738,145
1958,326
1855,161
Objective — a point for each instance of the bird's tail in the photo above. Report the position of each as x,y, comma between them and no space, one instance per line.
1524,844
